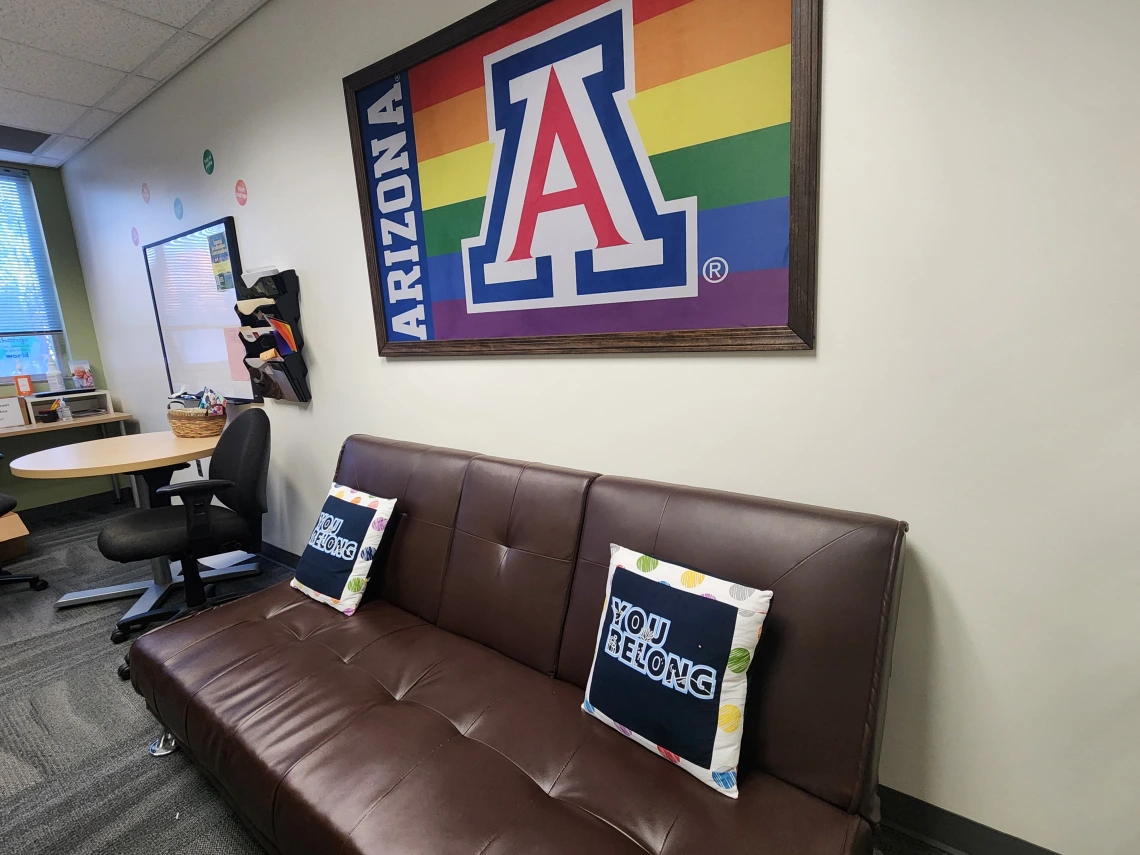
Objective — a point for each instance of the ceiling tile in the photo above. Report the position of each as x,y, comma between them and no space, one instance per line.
83,29
178,51
177,13
36,113
94,122
223,15
130,92
37,72
62,147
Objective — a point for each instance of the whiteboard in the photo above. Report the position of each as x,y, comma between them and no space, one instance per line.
192,279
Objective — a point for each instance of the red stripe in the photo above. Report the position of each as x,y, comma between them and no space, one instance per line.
461,68
643,10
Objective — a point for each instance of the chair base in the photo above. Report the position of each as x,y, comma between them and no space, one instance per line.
34,582
138,622
147,610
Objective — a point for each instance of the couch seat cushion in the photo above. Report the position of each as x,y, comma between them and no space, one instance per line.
381,733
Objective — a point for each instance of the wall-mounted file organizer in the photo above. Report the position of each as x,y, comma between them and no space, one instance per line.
269,308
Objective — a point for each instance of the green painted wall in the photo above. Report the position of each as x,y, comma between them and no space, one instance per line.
56,219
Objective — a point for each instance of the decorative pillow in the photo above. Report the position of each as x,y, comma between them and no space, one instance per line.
671,664
334,566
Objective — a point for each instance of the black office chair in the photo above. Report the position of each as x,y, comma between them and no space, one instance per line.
238,469
8,503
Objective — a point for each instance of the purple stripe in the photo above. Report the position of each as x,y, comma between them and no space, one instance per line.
754,298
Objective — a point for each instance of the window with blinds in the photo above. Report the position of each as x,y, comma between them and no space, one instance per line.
31,325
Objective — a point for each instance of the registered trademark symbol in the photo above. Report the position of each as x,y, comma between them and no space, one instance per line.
715,270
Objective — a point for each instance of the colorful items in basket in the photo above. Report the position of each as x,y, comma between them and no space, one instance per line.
212,402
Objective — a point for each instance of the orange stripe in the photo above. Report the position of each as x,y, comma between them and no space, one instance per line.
458,123
679,42
706,34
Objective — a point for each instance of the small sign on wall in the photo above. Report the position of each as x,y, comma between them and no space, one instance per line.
23,384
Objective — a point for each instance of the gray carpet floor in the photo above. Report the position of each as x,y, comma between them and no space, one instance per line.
74,773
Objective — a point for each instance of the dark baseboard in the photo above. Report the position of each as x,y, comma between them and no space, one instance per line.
31,516
281,556
948,831
915,818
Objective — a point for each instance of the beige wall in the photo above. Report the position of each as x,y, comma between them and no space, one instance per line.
977,369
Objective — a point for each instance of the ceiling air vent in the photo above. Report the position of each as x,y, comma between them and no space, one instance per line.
21,140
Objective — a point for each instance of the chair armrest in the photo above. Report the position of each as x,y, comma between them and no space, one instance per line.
196,497
195,488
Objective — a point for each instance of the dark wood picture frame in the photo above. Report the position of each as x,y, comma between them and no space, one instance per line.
798,334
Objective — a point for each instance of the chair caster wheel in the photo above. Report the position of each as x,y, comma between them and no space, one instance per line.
119,636
124,671
39,585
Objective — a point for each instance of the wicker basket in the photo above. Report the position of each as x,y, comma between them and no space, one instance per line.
193,424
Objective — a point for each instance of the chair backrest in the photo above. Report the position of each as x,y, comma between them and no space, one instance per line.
242,456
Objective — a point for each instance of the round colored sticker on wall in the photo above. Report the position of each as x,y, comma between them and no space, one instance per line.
135,236
178,208
240,193
146,193
208,161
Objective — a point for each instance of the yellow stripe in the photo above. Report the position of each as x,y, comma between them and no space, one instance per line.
456,177
736,98
743,96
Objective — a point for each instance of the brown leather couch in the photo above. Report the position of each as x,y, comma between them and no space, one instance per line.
444,716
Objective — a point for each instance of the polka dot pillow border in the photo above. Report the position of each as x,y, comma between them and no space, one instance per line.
671,662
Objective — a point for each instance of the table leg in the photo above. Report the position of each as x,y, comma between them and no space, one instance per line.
114,478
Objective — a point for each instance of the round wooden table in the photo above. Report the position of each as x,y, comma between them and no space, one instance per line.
113,456
150,459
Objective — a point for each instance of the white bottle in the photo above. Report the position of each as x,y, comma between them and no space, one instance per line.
54,378
64,411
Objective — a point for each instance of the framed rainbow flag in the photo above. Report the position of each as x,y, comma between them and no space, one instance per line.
574,176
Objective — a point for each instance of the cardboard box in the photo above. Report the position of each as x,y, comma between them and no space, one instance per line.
13,537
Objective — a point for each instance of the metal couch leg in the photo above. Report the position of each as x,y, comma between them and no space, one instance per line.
164,745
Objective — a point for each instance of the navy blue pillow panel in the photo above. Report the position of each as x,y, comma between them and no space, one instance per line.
671,662
662,662
331,553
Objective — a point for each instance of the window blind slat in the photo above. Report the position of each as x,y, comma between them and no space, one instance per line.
28,303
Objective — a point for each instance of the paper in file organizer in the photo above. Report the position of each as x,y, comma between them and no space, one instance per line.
272,379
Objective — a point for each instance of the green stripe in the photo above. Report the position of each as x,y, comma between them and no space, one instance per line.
745,168
445,227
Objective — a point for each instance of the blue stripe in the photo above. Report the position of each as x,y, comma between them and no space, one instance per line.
752,236
445,273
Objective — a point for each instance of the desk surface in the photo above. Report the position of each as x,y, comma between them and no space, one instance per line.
114,455
25,430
